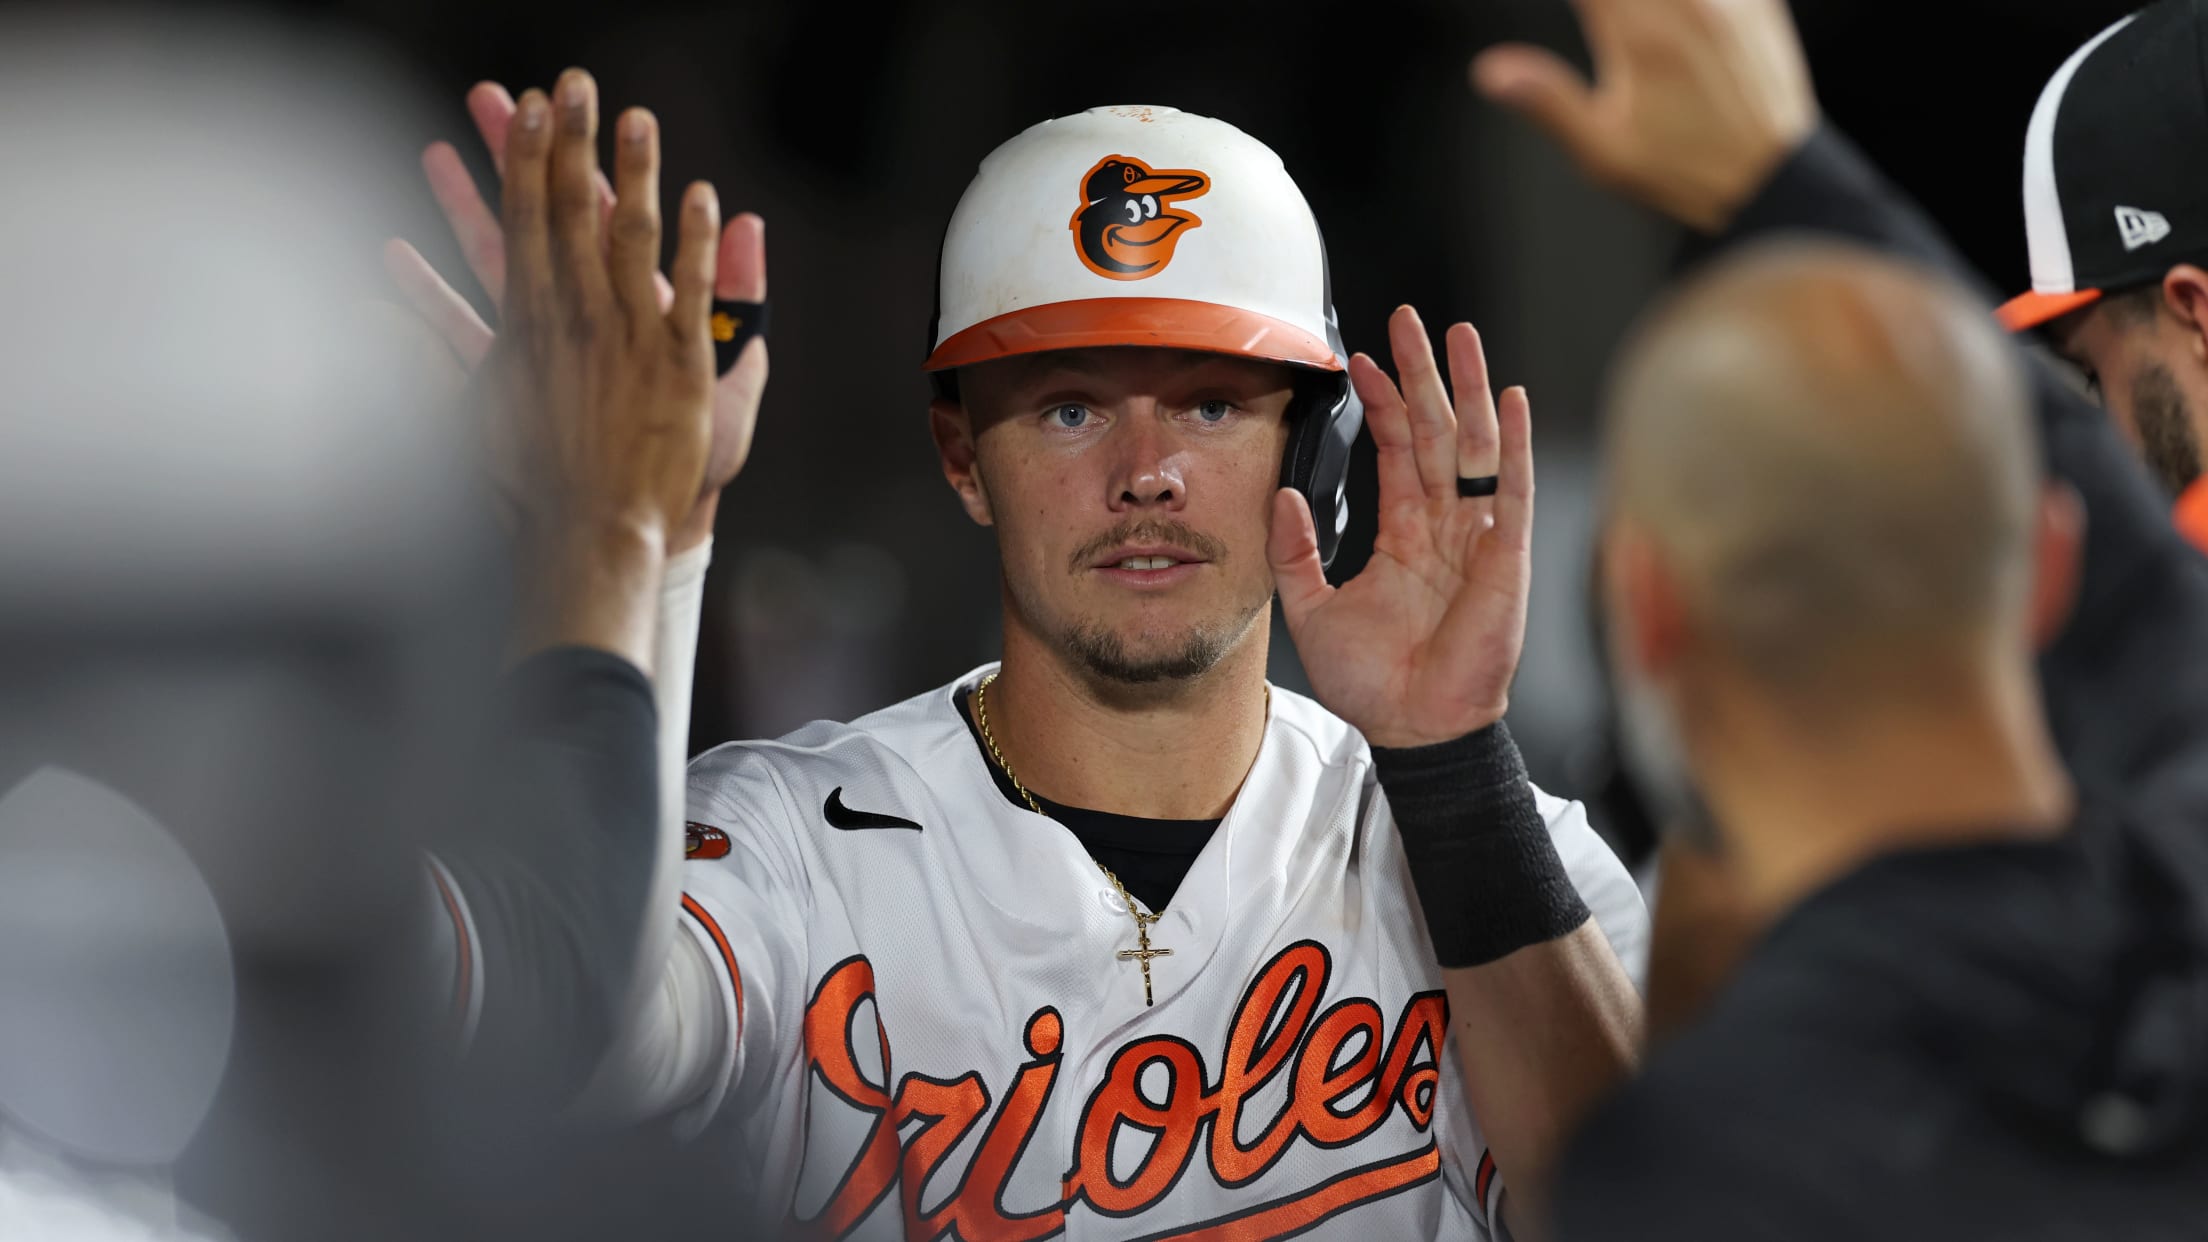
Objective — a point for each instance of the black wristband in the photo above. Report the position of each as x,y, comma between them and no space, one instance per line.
1486,869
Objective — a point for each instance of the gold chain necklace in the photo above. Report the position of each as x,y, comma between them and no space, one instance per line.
1142,952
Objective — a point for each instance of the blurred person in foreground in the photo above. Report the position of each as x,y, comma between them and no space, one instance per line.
246,628
1830,558
250,612
1705,113
2039,1011
1118,863
2116,217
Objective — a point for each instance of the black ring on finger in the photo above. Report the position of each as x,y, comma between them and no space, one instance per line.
733,325
1483,485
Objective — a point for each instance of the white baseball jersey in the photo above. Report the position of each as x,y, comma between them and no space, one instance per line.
934,1033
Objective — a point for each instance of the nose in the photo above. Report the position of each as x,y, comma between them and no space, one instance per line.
1147,471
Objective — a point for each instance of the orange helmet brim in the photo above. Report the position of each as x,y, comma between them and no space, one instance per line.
1158,323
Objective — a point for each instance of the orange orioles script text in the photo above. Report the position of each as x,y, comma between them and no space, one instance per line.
1277,1028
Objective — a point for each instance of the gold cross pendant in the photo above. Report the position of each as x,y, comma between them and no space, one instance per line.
1143,952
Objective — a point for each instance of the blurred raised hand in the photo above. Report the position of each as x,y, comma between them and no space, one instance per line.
606,384
1693,105
740,275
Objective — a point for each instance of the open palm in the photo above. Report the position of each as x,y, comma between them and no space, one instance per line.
1692,103
741,276
1420,647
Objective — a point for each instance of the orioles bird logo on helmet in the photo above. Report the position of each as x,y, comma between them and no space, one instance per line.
1127,225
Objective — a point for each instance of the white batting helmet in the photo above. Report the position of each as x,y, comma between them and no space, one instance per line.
1151,226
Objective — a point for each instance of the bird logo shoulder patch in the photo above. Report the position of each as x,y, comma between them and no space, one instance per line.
703,841
1128,222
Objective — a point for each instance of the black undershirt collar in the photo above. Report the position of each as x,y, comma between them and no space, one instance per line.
1150,856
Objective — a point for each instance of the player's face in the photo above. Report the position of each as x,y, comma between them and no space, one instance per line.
2147,372
1131,490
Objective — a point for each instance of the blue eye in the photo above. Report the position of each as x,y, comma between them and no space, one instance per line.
1214,411
1070,415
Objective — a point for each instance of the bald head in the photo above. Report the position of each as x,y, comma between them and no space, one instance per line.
1831,456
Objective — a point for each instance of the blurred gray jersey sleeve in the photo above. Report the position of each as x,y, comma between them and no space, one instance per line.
667,1055
555,923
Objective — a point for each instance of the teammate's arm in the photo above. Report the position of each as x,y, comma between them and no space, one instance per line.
560,898
674,1046
1706,113
1418,652
608,394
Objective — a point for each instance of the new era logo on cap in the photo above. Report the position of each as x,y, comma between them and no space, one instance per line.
2118,125
2141,228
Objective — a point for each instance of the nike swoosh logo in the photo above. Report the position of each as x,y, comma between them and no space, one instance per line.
841,816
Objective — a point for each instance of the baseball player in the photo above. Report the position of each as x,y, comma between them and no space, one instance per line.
2116,215
1113,939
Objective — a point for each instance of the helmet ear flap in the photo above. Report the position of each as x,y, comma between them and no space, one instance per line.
1327,418
1323,424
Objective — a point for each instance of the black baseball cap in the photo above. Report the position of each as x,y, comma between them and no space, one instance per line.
2116,163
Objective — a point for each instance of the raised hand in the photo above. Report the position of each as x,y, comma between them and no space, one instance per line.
741,275
1420,647
609,392
1694,102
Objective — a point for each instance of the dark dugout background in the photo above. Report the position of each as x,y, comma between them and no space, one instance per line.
845,578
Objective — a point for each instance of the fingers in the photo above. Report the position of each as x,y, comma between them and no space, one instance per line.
743,262
1477,438
1497,559
1433,422
552,215
696,241
1539,85
1293,548
577,238
741,276
529,292
470,218
1609,29
1514,494
492,109
1390,424
634,249
444,310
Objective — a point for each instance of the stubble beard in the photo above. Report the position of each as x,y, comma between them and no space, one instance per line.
2165,424
1101,652
1105,656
